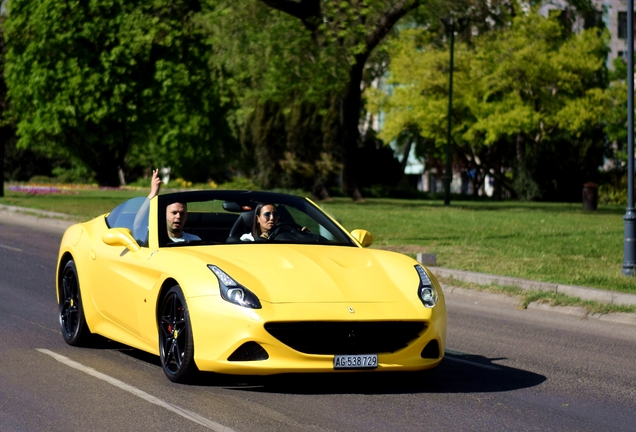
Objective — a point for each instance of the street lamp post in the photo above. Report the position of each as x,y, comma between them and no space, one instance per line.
448,175
629,256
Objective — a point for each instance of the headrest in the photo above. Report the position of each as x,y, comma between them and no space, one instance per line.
242,225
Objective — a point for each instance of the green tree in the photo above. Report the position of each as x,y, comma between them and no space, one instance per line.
311,52
514,88
606,108
348,32
416,99
6,130
525,77
98,78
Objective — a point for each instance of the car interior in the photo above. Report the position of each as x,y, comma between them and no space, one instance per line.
219,221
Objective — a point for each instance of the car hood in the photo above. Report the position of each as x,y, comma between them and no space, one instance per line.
310,273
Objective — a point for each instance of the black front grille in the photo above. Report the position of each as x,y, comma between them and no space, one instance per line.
354,337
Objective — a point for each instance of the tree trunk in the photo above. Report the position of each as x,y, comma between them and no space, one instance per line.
122,176
477,180
405,155
521,150
320,192
107,174
497,193
108,165
501,180
351,133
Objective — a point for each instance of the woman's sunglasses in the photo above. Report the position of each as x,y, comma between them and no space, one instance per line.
268,214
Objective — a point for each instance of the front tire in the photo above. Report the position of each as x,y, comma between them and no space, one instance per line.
71,314
176,345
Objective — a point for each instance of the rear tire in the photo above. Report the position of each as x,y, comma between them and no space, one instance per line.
176,345
71,313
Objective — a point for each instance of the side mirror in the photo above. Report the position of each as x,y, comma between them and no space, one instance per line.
120,237
364,237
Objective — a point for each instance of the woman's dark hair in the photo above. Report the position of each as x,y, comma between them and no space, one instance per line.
256,228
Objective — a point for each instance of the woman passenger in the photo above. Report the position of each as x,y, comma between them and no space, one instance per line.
265,217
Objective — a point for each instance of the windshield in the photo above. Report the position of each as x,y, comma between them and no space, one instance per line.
132,214
231,219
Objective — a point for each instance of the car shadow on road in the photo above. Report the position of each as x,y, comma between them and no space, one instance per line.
456,374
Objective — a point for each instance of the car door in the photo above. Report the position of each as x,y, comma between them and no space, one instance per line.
120,277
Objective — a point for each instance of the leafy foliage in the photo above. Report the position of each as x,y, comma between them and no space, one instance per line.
309,56
7,132
526,100
98,78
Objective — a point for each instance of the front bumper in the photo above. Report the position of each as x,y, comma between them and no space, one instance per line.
220,328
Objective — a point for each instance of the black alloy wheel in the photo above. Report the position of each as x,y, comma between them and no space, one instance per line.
72,321
176,346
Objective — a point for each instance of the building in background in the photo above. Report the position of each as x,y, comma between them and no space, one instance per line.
612,12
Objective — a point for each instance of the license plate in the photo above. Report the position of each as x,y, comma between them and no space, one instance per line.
358,361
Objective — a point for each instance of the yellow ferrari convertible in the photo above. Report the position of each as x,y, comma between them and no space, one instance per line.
307,296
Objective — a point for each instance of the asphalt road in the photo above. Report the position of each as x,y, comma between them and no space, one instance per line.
505,369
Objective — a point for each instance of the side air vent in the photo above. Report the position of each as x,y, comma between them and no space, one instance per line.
431,350
249,351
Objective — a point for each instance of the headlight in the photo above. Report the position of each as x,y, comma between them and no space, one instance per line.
426,291
234,292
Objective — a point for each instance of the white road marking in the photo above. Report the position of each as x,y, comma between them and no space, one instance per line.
495,368
192,416
10,248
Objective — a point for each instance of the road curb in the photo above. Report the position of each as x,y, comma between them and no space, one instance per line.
574,311
42,219
617,317
41,213
584,293
508,301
